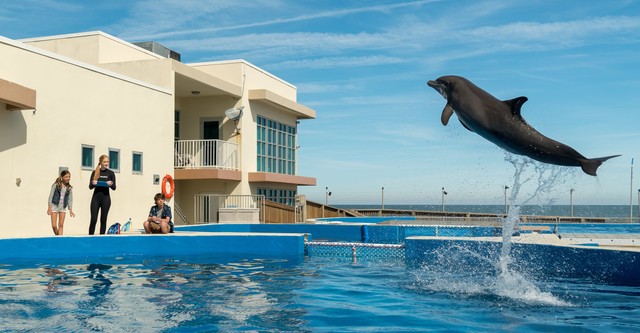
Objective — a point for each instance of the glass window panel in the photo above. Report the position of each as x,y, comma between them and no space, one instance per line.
137,162
87,157
114,159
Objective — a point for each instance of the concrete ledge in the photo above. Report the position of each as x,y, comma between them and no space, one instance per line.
263,245
17,97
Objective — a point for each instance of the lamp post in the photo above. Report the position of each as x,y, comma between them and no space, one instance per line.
571,200
506,208
382,198
327,194
443,194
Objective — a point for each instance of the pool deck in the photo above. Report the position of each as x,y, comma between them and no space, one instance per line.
618,242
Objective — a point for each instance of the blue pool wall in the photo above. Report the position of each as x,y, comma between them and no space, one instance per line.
286,245
288,241
367,233
533,260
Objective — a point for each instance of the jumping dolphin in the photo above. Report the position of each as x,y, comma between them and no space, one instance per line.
501,123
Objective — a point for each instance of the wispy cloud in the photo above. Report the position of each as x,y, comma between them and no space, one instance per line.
278,21
336,62
555,34
300,43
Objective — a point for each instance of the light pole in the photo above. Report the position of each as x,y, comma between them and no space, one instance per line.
382,198
327,194
506,208
571,200
443,194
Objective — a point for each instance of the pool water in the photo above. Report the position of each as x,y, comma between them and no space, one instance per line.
314,294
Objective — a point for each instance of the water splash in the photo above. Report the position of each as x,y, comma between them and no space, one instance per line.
463,268
511,283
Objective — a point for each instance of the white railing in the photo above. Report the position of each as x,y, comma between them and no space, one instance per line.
219,208
195,154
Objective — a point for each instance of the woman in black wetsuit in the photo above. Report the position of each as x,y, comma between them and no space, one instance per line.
101,180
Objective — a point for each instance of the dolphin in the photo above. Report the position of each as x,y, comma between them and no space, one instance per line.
501,123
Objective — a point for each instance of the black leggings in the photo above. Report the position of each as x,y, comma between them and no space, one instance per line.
102,202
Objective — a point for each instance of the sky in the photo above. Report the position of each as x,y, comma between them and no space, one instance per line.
363,66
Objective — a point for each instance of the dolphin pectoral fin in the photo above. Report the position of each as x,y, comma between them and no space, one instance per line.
515,104
446,114
590,166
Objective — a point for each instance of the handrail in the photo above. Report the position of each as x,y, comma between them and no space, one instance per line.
196,154
207,207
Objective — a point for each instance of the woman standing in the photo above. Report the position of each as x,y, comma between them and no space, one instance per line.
101,180
60,198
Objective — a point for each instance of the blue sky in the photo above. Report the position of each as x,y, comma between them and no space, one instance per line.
363,66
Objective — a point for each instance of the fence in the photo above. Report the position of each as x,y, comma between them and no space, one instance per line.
218,208
206,154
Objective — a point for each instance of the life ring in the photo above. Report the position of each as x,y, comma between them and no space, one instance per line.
172,186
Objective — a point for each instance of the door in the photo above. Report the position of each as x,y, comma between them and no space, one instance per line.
210,131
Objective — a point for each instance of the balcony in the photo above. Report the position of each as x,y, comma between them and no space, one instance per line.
206,159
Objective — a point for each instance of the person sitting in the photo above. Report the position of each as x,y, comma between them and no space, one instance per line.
159,221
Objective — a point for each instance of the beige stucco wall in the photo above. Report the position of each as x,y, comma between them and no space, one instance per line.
77,104
92,47
256,78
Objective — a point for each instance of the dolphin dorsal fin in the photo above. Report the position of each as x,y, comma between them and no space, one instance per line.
446,114
515,104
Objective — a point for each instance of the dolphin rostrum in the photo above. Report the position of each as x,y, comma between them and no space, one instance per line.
501,123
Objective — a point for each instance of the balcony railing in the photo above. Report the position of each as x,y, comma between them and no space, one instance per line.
195,154
219,208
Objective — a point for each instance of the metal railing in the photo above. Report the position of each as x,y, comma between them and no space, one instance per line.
180,216
209,208
353,250
195,154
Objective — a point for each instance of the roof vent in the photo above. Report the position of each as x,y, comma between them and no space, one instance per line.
160,49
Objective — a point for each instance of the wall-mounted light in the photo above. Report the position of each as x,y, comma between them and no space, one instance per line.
18,181
195,92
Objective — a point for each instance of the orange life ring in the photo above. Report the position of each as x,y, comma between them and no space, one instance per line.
168,178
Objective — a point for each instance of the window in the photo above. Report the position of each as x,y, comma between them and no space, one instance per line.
114,159
276,147
286,197
137,162
87,157
176,126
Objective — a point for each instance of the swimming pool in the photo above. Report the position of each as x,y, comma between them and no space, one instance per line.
317,294
228,281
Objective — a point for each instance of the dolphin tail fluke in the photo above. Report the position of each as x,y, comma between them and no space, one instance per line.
590,166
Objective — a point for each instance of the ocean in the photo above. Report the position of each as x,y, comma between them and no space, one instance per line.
616,213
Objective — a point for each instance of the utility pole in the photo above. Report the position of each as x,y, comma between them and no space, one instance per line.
443,194
571,200
506,208
631,195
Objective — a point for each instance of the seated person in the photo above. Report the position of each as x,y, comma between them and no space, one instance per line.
159,221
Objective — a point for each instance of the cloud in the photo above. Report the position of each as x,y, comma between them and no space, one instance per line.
554,34
322,88
195,8
336,62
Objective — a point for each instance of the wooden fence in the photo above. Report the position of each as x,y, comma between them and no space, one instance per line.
280,213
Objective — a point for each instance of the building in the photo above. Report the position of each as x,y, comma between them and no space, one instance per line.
225,131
